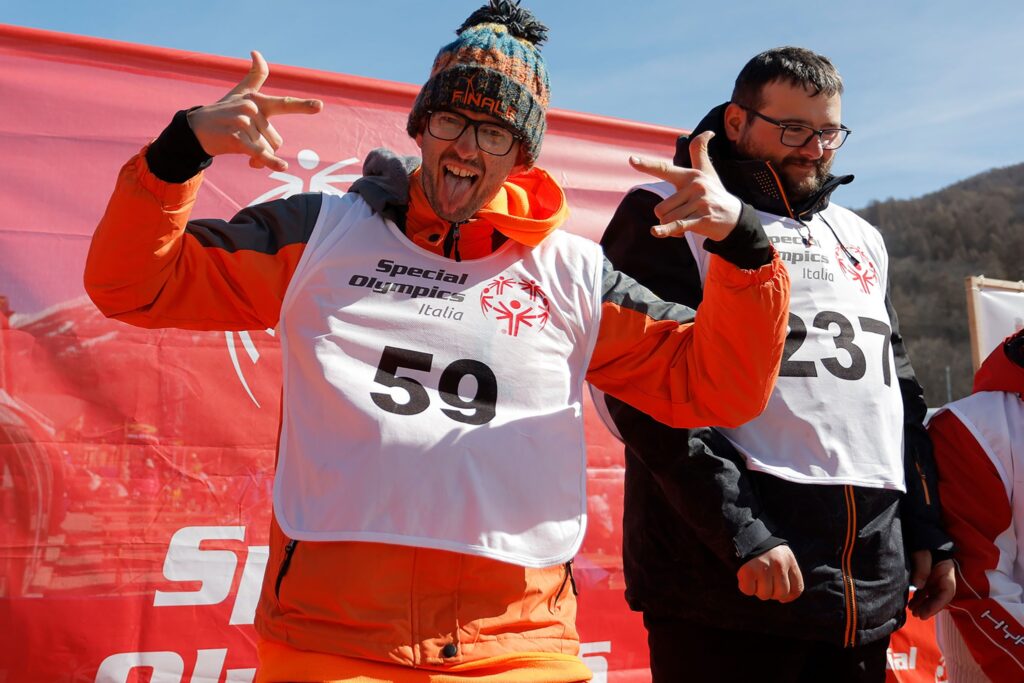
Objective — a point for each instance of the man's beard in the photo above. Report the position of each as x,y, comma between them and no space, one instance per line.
797,188
800,189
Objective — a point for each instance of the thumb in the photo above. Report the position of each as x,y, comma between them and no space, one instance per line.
253,81
699,158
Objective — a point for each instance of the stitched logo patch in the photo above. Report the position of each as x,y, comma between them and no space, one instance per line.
467,97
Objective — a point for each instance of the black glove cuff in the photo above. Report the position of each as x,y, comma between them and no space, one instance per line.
747,246
176,155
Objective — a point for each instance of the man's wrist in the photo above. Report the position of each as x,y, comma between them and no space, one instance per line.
176,155
747,246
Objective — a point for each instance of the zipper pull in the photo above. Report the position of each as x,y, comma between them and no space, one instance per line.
455,229
451,242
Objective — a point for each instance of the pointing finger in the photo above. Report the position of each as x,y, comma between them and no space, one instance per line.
679,177
272,106
253,81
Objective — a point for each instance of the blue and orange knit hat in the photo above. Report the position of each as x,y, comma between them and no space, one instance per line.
494,67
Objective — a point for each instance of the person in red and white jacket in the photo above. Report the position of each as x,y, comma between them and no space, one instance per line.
979,443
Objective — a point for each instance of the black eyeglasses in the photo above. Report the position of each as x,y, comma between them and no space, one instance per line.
798,135
490,137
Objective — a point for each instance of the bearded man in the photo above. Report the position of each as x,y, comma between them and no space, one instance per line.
787,540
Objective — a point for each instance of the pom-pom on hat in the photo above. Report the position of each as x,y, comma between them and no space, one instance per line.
494,67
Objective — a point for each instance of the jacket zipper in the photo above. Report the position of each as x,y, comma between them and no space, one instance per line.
806,239
568,578
924,483
289,550
450,247
846,569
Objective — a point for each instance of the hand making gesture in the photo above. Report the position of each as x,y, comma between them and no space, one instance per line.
701,203
239,123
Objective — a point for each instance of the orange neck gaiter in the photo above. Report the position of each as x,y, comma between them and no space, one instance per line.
526,209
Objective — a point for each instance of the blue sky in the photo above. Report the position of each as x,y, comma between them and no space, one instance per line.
934,90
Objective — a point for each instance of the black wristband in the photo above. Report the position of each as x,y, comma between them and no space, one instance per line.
747,246
176,155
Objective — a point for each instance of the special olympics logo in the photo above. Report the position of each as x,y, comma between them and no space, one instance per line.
864,273
516,304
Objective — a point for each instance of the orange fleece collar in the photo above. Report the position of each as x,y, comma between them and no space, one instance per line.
528,207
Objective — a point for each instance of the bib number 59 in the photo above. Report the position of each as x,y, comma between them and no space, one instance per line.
476,410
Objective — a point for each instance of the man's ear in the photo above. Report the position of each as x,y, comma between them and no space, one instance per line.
735,120
419,139
521,165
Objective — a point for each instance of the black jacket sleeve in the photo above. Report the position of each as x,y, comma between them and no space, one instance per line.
701,476
921,508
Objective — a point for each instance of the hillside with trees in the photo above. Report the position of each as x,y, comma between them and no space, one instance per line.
975,227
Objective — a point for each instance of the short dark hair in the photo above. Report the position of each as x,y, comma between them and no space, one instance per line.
795,65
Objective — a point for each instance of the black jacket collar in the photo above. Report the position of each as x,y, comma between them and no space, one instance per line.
754,182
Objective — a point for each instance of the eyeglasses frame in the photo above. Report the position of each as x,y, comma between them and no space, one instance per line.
812,131
476,130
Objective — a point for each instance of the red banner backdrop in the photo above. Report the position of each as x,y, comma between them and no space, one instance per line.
137,465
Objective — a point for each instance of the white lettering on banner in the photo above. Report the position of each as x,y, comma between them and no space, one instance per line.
901,661
214,569
169,667
244,611
591,653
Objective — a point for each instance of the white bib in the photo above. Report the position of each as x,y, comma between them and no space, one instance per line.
432,403
836,414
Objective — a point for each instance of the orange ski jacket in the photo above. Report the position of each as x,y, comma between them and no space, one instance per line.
433,613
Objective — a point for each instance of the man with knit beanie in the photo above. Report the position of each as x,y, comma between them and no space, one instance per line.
425,521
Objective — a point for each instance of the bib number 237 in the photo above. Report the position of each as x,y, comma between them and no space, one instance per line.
846,338
475,410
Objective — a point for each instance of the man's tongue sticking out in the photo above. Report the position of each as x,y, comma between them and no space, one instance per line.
457,185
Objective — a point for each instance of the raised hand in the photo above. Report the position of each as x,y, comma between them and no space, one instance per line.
701,203
239,123
773,575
